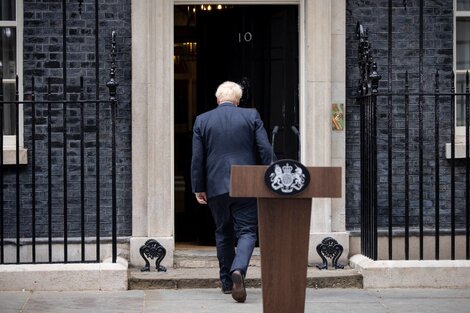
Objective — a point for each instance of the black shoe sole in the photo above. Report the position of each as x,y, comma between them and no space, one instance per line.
238,289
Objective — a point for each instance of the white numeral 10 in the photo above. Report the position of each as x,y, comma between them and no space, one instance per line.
247,37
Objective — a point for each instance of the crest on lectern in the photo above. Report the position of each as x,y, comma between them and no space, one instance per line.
287,177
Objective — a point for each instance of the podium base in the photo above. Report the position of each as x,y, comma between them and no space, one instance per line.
284,236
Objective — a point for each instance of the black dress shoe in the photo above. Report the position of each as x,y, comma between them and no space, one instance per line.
238,289
226,289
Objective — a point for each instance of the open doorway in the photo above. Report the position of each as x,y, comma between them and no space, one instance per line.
254,45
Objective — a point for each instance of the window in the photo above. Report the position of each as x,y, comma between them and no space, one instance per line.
11,64
461,66
461,58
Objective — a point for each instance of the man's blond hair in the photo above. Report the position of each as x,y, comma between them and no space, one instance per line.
229,92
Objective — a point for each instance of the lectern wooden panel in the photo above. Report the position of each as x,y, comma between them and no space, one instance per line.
248,181
284,223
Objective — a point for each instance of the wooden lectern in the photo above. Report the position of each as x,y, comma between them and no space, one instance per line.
284,223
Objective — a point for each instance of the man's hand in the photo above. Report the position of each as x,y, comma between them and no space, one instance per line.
201,197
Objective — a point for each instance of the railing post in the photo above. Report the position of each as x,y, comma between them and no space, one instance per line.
420,109
407,167
390,133
436,171
452,166
17,158
367,98
49,171
33,169
112,86
82,170
467,165
374,78
64,116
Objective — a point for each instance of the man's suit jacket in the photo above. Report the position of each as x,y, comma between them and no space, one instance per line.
222,137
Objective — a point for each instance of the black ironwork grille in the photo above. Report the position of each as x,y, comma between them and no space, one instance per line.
415,129
61,136
59,202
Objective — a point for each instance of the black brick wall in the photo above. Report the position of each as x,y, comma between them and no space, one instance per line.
438,55
43,59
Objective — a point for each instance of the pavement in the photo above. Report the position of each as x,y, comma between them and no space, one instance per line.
348,300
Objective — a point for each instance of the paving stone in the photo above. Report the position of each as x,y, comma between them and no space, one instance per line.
13,301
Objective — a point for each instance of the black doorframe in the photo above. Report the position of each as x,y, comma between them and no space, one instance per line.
273,82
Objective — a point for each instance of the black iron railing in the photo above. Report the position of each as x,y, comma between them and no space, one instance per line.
368,131
68,186
408,176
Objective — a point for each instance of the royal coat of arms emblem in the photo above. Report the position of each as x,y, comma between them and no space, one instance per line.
287,177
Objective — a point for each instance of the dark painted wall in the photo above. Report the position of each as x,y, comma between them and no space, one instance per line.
43,59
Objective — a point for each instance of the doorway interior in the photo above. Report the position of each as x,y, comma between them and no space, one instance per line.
254,45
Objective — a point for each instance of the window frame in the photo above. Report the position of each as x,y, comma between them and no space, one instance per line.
459,130
459,143
9,141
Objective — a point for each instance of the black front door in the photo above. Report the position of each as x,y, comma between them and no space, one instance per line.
256,46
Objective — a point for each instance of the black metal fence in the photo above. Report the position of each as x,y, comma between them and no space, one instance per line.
57,200
423,189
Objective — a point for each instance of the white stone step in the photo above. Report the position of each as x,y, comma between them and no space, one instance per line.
204,257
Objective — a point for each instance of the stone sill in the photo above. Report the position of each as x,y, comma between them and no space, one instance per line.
412,274
460,152
9,156
104,276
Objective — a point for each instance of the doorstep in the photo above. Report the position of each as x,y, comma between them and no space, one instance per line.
184,278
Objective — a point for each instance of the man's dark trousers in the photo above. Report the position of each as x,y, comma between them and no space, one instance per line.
236,219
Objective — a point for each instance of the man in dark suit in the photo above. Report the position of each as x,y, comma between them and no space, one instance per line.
222,137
